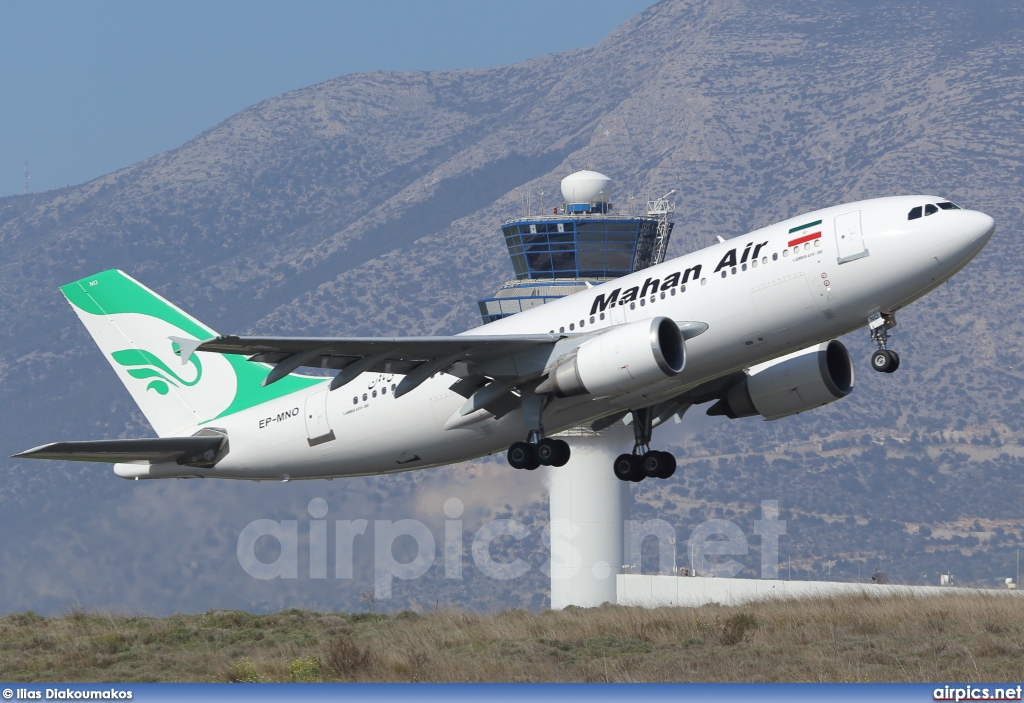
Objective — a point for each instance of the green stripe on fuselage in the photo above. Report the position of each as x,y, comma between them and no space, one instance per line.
809,224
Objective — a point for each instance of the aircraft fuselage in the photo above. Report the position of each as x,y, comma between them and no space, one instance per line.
762,295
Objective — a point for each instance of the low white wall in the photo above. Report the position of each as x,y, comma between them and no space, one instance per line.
652,591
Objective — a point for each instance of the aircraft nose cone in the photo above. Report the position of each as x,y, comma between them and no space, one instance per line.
982,228
973,235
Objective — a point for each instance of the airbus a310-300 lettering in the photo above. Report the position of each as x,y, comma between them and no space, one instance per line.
750,323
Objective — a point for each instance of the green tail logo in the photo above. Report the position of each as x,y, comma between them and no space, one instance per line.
147,365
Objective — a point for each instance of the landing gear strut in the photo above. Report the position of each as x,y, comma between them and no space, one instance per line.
643,462
884,359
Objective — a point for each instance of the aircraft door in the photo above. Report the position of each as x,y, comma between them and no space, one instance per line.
849,237
318,429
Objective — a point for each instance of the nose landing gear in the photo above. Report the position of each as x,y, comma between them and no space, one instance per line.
884,360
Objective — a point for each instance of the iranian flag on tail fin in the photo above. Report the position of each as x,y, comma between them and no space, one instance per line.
809,237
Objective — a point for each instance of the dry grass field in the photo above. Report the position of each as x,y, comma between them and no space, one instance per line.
947,638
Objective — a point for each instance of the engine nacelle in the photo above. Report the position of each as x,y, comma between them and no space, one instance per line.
801,381
623,359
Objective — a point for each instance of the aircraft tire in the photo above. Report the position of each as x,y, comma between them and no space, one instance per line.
623,467
553,452
522,455
882,361
669,466
895,362
565,452
653,463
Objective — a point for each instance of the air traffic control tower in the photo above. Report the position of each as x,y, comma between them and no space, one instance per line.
583,242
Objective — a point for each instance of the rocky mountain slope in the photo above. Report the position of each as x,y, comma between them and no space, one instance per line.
370,204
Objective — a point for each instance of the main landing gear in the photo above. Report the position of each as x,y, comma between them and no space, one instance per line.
884,360
644,462
546,452
537,450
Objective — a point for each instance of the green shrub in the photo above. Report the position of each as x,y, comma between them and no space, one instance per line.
242,672
305,670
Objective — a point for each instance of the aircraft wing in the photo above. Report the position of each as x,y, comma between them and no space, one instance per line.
157,450
417,358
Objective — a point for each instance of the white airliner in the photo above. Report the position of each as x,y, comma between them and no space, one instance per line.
750,322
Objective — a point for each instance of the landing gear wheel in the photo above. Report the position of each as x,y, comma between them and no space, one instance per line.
668,466
885,361
523,456
654,463
629,468
895,362
553,452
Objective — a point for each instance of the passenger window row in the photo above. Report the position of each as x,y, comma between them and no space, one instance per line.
366,396
775,257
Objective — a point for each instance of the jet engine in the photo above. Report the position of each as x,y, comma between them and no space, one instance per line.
624,358
801,381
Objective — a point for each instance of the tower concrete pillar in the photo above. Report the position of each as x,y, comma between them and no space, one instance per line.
588,507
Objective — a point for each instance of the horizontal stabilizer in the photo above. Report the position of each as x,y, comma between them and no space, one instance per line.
202,450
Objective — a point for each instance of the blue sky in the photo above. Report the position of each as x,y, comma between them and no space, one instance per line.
87,88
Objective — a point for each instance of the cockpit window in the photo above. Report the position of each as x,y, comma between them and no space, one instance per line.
930,209
915,213
948,206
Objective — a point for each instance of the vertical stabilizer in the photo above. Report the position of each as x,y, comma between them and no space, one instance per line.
132,326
